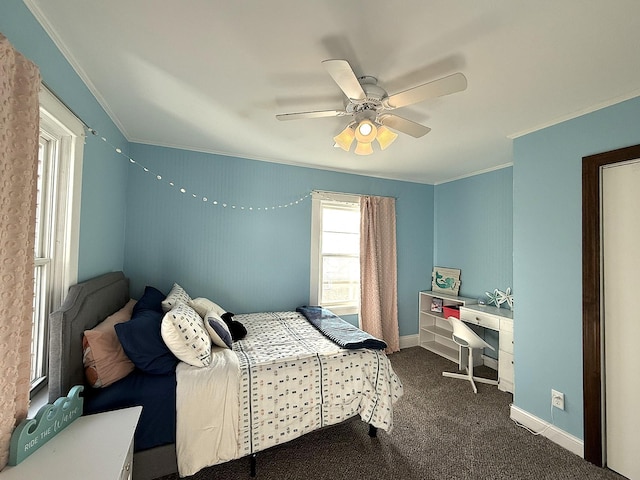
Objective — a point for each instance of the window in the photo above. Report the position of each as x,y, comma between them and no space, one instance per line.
335,252
57,221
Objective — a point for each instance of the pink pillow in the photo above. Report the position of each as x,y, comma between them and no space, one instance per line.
104,359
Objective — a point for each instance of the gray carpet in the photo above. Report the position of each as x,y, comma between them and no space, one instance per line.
442,431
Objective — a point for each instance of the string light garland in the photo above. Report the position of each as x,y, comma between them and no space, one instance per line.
203,198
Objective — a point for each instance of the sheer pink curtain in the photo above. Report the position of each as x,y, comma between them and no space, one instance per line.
378,270
19,132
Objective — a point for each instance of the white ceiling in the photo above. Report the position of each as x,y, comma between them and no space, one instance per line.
210,75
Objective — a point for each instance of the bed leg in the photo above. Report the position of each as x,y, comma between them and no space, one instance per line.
373,431
253,464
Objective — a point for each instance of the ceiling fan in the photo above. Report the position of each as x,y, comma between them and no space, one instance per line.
369,103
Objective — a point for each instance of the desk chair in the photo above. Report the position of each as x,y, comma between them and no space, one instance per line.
467,338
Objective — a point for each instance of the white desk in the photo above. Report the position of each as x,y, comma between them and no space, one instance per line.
96,447
500,320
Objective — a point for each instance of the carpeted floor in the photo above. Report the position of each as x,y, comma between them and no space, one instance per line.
442,431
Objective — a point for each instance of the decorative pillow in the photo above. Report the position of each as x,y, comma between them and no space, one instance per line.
204,306
142,342
102,355
185,335
176,295
218,330
150,300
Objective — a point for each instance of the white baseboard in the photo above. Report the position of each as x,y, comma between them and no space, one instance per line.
407,341
553,433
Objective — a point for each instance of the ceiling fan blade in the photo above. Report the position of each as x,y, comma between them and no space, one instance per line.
316,114
343,75
403,125
444,86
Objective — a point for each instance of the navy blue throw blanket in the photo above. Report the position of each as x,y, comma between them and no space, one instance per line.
339,330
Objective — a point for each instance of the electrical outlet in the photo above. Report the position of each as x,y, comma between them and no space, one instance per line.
557,399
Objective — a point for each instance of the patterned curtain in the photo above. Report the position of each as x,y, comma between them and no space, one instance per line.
378,270
19,132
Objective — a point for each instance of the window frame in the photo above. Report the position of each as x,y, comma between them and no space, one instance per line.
319,199
65,134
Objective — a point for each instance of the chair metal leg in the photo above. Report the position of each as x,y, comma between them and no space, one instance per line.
470,371
469,374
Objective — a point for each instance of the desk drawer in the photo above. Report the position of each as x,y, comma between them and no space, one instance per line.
480,318
506,341
505,366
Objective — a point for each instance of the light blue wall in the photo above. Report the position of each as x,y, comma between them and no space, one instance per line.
547,269
103,208
473,230
253,260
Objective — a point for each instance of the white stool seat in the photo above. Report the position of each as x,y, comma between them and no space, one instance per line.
467,338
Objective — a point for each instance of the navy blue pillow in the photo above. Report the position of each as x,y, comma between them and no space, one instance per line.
142,343
150,300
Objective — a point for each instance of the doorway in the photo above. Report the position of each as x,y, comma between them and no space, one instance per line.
595,438
621,324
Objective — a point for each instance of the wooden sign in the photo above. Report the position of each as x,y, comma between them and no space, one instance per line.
32,433
445,280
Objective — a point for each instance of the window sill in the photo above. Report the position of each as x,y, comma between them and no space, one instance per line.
38,400
344,310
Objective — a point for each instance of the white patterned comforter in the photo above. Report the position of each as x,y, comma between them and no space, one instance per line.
294,380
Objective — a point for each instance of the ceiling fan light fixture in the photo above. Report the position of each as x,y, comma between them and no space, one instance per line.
363,149
365,128
368,104
345,138
385,137
366,132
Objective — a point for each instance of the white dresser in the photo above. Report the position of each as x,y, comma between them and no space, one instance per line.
96,447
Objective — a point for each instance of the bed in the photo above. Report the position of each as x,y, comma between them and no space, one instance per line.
281,381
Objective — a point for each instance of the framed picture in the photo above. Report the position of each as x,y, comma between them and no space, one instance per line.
445,280
436,305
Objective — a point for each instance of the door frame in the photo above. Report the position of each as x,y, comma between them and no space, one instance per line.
592,355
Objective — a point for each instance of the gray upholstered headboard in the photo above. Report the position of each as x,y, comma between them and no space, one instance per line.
86,305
